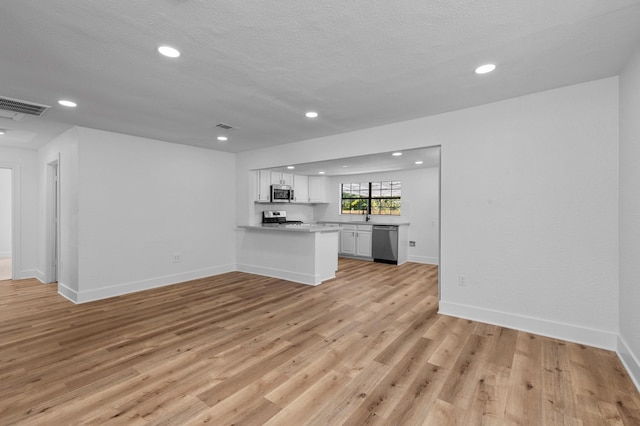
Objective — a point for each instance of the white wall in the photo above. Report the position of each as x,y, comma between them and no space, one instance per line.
629,345
5,212
142,202
420,207
529,205
24,163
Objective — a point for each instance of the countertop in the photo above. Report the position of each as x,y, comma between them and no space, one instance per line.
365,223
305,227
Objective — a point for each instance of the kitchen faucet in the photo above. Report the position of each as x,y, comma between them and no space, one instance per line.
367,218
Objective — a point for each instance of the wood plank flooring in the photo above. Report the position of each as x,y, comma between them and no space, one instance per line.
367,348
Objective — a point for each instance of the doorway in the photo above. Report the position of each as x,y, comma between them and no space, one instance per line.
53,222
6,224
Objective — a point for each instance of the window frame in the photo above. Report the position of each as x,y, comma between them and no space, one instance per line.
394,201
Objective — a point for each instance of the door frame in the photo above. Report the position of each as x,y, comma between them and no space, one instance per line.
15,219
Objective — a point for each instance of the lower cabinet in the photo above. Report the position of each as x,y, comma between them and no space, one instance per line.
355,240
348,239
363,242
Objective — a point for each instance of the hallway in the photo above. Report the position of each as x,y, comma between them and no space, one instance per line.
5,268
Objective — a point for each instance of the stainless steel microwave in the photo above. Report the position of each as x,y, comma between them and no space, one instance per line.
281,194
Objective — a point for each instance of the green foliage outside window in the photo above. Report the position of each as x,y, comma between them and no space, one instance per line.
376,198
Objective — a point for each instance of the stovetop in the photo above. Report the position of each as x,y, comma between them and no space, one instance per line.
278,217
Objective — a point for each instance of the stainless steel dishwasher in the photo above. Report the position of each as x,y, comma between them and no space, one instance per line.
385,244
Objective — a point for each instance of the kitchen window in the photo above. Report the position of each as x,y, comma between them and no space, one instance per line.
376,198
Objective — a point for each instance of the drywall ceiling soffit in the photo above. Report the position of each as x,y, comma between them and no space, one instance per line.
427,157
259,66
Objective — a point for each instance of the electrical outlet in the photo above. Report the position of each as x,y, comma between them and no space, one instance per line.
412,243
177,258
462,280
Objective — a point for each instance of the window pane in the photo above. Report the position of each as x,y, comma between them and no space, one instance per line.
364,189
361,206
346,209
375,207
375,189
346,190
394,207
355,190
396,188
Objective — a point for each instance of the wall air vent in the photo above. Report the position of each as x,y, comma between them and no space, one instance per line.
16,109
224,126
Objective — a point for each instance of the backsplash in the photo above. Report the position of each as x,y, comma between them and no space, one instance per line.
303,212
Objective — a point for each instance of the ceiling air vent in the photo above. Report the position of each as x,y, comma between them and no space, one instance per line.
224,126
16,109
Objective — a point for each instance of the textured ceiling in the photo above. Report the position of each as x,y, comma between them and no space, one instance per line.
260,65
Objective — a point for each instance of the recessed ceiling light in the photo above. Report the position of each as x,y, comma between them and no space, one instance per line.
2,132
290,167
223,138
397,154
69,104
419,162
320,173
168,51
483,69
311,114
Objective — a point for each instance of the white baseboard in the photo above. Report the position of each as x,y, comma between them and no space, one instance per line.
39,275
296,277
586,336
629,360
424,259
67,293
133,287
27,273
5,254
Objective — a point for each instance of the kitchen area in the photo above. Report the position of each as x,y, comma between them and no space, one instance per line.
300,223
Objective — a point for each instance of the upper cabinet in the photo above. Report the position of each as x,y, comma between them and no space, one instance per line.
263,186
306,189
300,189
317,190
278,178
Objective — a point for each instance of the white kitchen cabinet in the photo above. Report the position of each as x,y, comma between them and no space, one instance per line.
278,178
355,240
363,240
348,239
306,189
316,189
263,186
300,189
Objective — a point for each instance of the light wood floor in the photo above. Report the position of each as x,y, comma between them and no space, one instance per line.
365,348
5,268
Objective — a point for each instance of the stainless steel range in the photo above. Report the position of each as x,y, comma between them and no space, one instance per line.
278,217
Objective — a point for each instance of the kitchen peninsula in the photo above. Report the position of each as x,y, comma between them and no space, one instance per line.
302,253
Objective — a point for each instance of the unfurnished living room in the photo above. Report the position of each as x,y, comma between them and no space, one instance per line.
320,213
